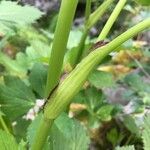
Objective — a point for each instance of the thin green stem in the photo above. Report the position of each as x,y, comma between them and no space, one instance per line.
63,27
89,22
87,10
3,124
42,134
139,65
111,20
81,46
72,84
97,14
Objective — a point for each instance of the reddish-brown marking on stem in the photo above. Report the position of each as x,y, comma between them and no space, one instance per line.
99,44
50,94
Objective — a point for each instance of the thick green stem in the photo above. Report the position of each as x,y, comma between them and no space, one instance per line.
111,20
72,84
42,134
64,23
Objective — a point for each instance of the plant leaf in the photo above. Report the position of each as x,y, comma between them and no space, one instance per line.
38,52
73,42
125,148
105,112
16,97
7,141
144,2
22,145
20,128
101,79
94,98
38,78
136,82
11,65
68,134
131,125
146,133
12,12
113,136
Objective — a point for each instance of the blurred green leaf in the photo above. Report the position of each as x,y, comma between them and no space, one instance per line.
125,148
146,133
21,88
5,123
130,124
20,13
20,128
38,78
68,134
7,141
93,98
74,38
144,2
80,97
12,66
22,145
105,112
113,136
31,34
146,98
6,28
37,52
136,82
41,48
101,79
16,97
71,55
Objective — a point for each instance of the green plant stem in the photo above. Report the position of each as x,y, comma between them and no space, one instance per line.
42,134
3,124
72,84
87,10
65,18
97,14
81,46
139,65
89,22
111,20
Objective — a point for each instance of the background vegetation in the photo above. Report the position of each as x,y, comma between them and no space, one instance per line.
112,108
